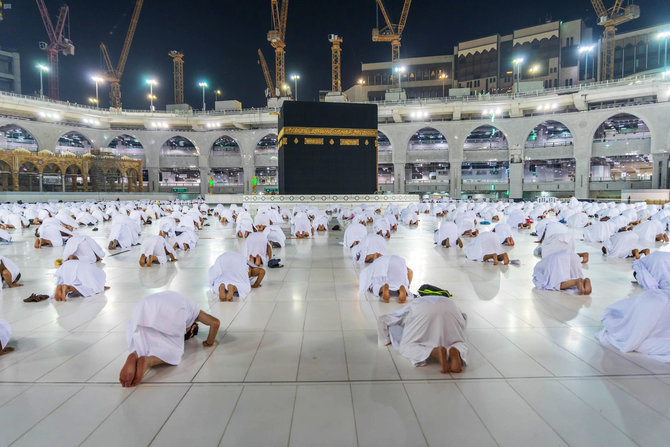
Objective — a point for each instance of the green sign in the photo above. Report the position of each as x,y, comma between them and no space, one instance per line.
211,182
179,189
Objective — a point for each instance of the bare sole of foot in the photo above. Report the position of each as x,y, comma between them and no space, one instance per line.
402,295
580,286
587,287
7,350
386,295
455,361
140,369
128,371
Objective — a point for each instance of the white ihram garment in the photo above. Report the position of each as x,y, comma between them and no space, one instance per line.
275,234
158,324
355,232
485,244
156,246
256,244
389,269
11,266
186,236
86,278
503,231
640,323
648,230
5,333
230,268
621,245
52,233
598,232
122,232
426,323
447,230
653,271
370,244
84,248
556,268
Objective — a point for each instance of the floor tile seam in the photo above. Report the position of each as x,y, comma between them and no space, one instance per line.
39,350
538,413
209,355
540,311
353,414
27,385
290,425
600,413
232,412
488,430
153,438
79,353
297,369
537,361
664,416
416,416
108,415
47,415
612,350
253,359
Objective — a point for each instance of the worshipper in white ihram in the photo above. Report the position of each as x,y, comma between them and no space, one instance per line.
386,274
257,249
10,272
78,278
83,248
624,244
5,335
429,326
156,250
371,247
484,247
639,323
157,330
561,270
354,234
653,271
229,275
275,236
447,235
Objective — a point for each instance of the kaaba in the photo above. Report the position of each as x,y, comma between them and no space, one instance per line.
327,148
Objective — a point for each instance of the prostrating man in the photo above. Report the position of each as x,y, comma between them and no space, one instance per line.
10,272
504,233
639,323
386,274
625,244
561,270
229,275
51,235
155,249
371,247
354,234
186,238
83,248
429,326
447,235
653,271
124,233
651,231
5,335
275,235
485,247
157,330
301,227
257,249
78,278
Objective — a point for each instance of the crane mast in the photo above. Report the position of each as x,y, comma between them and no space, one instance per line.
391,32
276,38
58,43
336,67
178,66
610,19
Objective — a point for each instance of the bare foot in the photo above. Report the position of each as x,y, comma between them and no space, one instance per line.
455,361
128,371
585,258
385,293
459,242
587,287
495,260
402,295
580,286
140,369
505,259
7,350
143,260
222,293
636,253
646,252
440,353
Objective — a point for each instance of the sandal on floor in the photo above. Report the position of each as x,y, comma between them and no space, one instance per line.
35,298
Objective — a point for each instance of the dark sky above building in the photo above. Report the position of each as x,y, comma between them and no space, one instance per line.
220,39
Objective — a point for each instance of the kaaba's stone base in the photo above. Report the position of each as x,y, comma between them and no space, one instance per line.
316,199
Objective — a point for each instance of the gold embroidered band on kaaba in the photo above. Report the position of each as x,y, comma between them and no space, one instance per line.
309,134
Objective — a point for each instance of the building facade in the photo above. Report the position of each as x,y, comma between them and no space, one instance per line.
10,71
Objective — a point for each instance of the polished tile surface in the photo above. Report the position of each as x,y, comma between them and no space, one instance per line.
298,363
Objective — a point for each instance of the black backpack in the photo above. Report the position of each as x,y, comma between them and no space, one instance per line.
427,289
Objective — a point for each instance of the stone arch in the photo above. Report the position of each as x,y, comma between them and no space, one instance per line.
29,177
486,136
127,145
383,142
178,146
6,177
267,143
113,179
133,179
549,133
13,136
74,142
622,126
72,174
427,139
52,178
225,145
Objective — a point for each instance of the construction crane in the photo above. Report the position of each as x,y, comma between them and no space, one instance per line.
392,33
58,43
610,18
178,63
266,73
276,38
336,53
113,75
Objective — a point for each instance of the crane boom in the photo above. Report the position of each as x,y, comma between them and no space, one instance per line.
380,3
266,73
403,16
609,19
599,7
393,33
46,20
283,19
58,43
276,38
129,38
105,56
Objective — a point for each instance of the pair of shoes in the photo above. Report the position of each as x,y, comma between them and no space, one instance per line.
35,298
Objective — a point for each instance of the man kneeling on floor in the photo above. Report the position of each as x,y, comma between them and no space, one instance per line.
156,332
386,274
429,326
230,273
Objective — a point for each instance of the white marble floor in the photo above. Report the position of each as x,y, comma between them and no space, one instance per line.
298,364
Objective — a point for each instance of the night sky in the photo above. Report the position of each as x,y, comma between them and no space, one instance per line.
220,38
